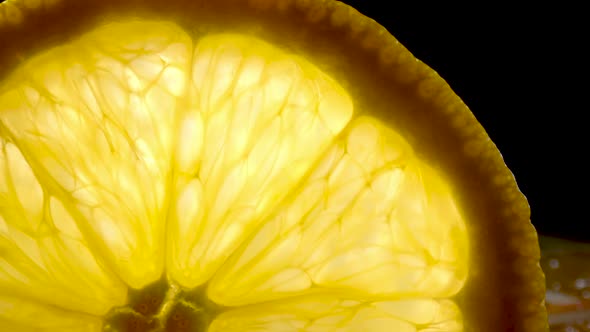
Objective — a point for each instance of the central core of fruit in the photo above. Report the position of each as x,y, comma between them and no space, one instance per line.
162,307
231,167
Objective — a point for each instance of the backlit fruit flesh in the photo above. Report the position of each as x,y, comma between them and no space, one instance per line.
239,165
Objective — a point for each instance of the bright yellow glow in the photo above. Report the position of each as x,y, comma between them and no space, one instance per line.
219,159
324,313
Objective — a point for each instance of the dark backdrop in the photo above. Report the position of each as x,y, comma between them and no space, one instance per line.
516,69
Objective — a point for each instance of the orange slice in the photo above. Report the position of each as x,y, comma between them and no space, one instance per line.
246,166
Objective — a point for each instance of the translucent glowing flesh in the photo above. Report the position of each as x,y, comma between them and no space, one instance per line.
219,160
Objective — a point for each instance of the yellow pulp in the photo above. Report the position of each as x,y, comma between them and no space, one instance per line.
139,150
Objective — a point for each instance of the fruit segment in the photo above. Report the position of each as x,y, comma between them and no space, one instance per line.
43,255
370,219
331,313
265,118
29,316
96,121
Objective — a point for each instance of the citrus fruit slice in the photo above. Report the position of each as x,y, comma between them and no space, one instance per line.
246,166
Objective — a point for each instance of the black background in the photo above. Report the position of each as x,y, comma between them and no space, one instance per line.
521,75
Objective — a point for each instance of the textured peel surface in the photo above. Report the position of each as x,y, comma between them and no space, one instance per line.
217,160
